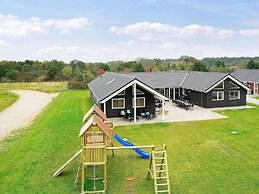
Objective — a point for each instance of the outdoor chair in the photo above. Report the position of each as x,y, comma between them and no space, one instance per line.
149,115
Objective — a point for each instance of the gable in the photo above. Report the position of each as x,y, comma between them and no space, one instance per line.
231,78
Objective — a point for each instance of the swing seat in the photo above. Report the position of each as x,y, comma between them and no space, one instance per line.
131,179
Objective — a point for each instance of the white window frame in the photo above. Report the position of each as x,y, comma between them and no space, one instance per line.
218,96
256,88
215,88
118,99
236,87
136,101
122,93
235,98
138,92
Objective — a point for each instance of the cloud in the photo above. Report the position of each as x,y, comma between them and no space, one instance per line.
75,23
4,44
65,32
126,43
11,25
147,29
249,32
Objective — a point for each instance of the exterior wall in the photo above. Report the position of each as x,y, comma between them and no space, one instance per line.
149,103
195,97
251,86
205,99
209,103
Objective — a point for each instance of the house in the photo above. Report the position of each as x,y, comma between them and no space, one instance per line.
249,77
114,92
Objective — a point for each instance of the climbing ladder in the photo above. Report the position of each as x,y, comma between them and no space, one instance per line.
158,170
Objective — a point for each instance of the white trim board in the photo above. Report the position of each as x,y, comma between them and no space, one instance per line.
232,79
149,89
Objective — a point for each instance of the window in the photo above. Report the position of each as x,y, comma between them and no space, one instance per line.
234,95
232,85
121,93
139,101
217,96
138,92
118,103
220,86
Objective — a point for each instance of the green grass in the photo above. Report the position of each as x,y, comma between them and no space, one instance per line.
7,98
257,97
203,156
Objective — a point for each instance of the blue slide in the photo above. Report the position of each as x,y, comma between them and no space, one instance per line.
140,152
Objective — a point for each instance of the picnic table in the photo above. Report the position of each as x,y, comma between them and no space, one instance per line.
183,104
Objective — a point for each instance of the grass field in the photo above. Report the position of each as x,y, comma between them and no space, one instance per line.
203,156
8,98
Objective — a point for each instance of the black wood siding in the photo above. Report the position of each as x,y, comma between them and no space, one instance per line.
209,103
149,103
205,99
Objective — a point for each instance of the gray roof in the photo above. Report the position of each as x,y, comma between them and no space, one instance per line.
193,80
160,79
107,84
247,75
201,81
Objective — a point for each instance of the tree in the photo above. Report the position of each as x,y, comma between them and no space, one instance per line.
252,65
2,71
80,76
88,76
219,64
11,75
137,67
67,72
199,66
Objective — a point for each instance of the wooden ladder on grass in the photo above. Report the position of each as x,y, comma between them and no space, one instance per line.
158,169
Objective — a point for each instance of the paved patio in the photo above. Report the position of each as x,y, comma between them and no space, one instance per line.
175,114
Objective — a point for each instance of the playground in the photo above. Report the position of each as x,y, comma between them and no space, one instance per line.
203,156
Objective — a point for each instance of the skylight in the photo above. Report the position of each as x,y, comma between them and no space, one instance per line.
110,81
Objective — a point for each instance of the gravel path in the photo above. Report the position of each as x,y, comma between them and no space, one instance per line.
24,110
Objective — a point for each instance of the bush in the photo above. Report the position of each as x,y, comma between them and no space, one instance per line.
74,84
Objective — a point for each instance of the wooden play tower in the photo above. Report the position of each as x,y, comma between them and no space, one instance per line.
96,139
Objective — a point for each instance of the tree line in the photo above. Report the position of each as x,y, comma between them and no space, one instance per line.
79,73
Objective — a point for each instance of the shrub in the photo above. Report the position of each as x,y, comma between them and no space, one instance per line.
74,84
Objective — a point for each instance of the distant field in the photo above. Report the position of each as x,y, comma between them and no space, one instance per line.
7,98
203,156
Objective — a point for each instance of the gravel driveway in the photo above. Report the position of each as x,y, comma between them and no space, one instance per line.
24,110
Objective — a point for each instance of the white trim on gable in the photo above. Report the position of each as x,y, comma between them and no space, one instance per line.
149,89
232,79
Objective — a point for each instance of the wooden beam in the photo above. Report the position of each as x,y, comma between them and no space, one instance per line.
129,147
66,164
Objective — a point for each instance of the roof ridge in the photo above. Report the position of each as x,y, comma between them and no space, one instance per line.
125,75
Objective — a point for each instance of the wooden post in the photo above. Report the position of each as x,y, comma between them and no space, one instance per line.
104,178
174,93
83,178
104,108
163,110
135,103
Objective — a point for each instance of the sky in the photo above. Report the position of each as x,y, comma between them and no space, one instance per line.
106,30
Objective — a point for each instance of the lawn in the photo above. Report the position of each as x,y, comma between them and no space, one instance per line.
7,98
203,156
